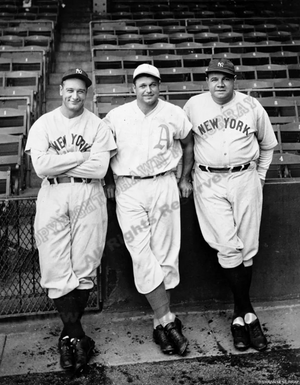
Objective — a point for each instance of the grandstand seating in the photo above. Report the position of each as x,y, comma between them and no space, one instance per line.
5,189
27,45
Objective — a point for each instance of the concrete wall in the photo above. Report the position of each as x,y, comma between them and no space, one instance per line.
276,267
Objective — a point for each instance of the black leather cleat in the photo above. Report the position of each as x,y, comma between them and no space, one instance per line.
66,353
173,331
257,338
160,338
83,350
240,337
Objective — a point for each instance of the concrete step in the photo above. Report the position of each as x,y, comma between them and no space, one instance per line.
76,37
78,46
70,56
75,29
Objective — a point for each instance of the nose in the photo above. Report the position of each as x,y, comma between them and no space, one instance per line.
75,94
220,83
148,89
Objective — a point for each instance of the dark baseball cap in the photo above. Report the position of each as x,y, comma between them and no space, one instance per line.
221,65
77,73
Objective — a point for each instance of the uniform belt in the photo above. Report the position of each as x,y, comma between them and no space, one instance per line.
225,169
67,179
143,177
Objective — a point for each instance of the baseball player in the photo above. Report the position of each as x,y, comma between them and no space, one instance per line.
70,148
234,142
150,135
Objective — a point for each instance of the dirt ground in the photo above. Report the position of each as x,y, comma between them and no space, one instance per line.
271,367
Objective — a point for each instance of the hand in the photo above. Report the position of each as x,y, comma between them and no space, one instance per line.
110,191
185,187
86,155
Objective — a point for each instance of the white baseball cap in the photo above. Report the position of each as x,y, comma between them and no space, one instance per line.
146,69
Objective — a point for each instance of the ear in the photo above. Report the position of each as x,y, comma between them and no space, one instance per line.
134,88
60,90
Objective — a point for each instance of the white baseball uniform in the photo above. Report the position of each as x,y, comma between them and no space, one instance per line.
229,204
148,210
71,218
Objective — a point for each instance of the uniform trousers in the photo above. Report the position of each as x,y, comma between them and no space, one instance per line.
148,211
228,207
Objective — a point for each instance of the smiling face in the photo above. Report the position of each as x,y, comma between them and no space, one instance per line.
146,89
221,86
73,92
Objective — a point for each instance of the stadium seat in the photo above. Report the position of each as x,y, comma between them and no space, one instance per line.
180,37
196,60
109,76
231,37
280,110
206,37
15,31
255,58
175,75
272,71
293,71
187,48
287,87
104,38
130,38
245,72
5,189
132,61
161,48
284,57
167,61
220,28
107,62
11,156
149,28
13,121
152,38
12,40
5,64
256,88
19,97
255,37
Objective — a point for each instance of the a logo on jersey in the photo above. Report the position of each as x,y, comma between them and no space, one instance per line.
164,138
76,140
220,123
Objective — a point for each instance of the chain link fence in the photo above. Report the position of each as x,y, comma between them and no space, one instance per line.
20,290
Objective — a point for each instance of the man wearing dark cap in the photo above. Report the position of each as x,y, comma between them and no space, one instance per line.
233,149
152,136
70,148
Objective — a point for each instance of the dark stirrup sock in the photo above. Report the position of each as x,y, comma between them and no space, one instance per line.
239,279
70,314
82,297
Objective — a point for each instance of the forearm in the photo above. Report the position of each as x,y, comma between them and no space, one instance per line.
187,160
48,164
264,161
95,167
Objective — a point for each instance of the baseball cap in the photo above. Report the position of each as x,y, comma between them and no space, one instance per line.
221,65
146,69
79,74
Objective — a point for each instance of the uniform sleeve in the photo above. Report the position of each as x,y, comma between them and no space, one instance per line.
183,125
103,148
265,133
46,161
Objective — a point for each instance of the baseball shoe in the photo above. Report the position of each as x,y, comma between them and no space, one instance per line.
83,350
173,331
160,338
257,338
66,353
240,337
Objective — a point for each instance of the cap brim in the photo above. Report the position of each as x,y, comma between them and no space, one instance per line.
87,81
146,74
